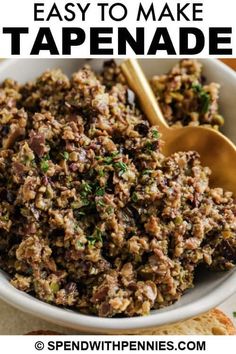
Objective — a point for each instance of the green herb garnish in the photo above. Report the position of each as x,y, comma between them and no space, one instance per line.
134,197
91,242
114,153
86,189
75,205
100,203
108,160
121,166
234,314
44,165
98,235
146,172
79,244
80,213
149,146
95,237
65,155
204,97
155,134
101,173
110,210
197,87
100,191
85,201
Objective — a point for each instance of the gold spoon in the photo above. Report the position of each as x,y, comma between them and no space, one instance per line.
216,151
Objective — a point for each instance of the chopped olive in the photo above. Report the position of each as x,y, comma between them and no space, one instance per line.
142,129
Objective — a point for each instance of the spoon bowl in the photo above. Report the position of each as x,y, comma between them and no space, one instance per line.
216,150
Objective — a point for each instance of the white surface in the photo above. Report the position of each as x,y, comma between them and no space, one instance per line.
215,14
126,344
210,290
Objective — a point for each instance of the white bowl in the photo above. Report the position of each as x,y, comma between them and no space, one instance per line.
211,288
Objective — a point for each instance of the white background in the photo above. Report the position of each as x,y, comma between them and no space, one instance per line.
214,344
15,13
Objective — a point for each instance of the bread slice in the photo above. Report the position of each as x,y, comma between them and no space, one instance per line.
214,322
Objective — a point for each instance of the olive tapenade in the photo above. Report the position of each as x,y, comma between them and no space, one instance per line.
93,217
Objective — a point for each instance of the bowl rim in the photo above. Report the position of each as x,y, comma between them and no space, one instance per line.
6,62
88,323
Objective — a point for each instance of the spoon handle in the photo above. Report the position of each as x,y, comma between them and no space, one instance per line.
139,84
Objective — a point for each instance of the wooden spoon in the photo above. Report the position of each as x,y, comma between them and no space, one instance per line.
216,151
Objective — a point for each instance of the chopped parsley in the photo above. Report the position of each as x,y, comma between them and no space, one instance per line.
44,165
114,153
121,166
98,235
149,146
110,210
205,103
155,134
86,189
75,205
101,203
234,314
91,241
79,244
95,237
100,191
81,213
65,155
204,97
85,202
101,173
108,160
146,172
134,197
197,87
